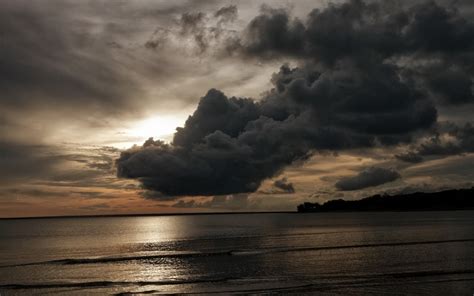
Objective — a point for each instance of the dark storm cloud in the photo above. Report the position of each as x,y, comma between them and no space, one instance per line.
446,139
453,85
369,177
450,139
350,97
368,33
230,145
353,88
274,32
358,29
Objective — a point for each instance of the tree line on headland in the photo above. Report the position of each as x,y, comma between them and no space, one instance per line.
456,199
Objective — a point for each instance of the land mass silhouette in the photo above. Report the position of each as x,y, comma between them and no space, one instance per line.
456,199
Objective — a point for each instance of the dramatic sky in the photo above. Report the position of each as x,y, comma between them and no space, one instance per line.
111,107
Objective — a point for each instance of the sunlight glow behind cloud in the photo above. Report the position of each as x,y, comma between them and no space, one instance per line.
159,126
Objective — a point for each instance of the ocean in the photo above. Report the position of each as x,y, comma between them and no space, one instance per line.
390,253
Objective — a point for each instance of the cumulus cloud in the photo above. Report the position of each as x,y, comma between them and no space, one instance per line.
369,177
358,30
230,145
354,87
433,43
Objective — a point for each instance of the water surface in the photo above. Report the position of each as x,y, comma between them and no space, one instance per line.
422,253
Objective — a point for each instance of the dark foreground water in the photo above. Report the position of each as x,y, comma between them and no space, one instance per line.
421,253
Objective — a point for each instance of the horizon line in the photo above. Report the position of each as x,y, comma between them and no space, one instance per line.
146,214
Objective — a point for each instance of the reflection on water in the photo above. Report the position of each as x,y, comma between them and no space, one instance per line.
429,253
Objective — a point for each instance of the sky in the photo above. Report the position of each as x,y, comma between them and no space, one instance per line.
128,107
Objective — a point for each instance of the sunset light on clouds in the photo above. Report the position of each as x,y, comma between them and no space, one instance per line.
270,95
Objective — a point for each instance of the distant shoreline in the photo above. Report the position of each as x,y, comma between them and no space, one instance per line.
447,200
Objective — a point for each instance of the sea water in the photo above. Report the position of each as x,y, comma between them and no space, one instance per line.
391,253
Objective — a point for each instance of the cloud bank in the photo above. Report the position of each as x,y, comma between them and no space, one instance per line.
368,75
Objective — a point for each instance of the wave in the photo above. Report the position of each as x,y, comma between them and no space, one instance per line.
280,235
266,290
91,260
305,289
99,284
393,244
251,252
372,280
337,282
323,248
